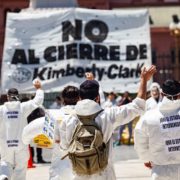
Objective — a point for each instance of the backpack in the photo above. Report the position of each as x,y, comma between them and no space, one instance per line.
87,152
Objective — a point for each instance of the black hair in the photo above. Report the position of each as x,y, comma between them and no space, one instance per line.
37,113
171,87
89,89
13,94
70,95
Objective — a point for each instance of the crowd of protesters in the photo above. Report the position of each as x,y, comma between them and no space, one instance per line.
156,133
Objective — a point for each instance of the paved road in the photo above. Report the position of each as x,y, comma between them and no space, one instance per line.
127,166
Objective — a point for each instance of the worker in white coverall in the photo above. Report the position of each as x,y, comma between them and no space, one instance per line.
13,118
108,120
157,135
60,169
156,98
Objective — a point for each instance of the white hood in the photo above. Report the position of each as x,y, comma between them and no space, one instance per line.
12,105
87,107
168,104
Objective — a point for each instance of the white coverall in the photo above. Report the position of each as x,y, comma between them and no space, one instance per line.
157,139
151,103
60,169
107,120
14,154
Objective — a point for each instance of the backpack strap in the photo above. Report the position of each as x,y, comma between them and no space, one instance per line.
89,120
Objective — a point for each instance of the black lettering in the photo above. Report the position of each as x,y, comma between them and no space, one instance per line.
85,51
131,53
177,141
143,51
100,72
164,126
110,70
162,120
61,53
168,142
32,58
71,51
96,31
49,73
173,141
39,74
70,70
114,53
138,69
93,68
169,149
171,125
125,72
174,148
167,119
132,72
120,71
69,29
19,57
57,73
100,52
49,54
80,72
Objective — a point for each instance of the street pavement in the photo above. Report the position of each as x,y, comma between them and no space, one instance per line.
126,163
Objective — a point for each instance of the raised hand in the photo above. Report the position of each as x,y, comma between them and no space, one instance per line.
37,84
146,74
89,76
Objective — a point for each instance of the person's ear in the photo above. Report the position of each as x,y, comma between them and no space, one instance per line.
97,99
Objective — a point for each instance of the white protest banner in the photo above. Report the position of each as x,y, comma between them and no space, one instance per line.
59,46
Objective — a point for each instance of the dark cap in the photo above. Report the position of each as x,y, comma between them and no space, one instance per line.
13,92
90,84
89,89
171,87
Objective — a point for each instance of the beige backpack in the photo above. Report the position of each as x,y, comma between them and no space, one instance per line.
87,152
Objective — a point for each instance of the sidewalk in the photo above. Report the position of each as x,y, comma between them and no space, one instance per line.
132,170
127,166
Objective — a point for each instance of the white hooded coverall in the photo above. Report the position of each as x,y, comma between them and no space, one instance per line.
60,169
14,154
157,139
107,120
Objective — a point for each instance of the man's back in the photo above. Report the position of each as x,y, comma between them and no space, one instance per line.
107,120
157,134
